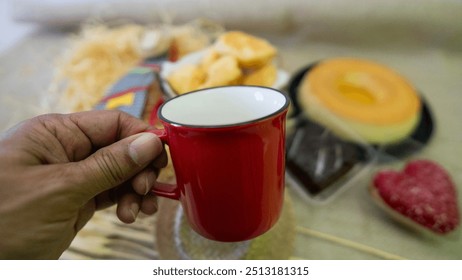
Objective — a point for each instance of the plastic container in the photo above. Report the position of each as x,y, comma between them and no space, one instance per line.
320,165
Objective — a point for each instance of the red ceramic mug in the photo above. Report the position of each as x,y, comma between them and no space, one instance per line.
227,146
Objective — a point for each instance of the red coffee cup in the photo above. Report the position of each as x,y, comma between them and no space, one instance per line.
227,146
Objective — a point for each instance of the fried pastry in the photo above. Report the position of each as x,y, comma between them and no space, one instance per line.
264,76
187,78
209,58
224,71
250,51
235,58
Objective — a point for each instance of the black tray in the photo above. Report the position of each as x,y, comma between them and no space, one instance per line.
416,141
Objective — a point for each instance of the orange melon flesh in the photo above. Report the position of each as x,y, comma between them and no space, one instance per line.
370,99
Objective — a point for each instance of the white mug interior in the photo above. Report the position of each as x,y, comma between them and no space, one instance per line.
223,106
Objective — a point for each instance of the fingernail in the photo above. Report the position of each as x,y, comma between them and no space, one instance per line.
142,149
147,183
156,204
134,209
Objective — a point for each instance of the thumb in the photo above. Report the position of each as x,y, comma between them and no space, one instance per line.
112,165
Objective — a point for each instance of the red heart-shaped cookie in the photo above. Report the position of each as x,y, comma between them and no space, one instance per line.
423,192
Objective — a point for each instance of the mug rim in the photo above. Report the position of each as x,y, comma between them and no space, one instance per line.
283,108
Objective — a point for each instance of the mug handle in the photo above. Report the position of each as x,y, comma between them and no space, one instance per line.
163,189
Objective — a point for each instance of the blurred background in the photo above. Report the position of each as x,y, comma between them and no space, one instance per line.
420,39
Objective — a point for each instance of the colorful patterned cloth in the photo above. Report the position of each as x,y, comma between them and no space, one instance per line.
129,94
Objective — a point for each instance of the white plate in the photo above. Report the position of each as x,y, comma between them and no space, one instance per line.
195,58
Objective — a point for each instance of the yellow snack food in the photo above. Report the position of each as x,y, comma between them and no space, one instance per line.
264,76
224,71
209,58
235,58
187,78
250,51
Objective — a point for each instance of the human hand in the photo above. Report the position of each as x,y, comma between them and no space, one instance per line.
56,170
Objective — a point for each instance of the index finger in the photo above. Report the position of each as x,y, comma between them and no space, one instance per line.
103,127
